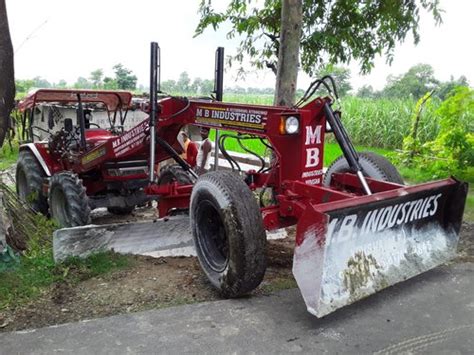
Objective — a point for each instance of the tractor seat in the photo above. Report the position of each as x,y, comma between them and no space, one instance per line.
95,136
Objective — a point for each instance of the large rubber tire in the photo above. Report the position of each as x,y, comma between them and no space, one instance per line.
228,233
174,172
29,182
68,202
373,165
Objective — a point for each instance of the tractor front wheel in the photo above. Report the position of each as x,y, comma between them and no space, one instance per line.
373,165
29,182
174,172
228,233
68,202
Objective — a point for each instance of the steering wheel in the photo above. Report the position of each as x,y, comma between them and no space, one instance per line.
94,124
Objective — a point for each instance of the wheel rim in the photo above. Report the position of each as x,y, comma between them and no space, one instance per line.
22,185
59,207
212,237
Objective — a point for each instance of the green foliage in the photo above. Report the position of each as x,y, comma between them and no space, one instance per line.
451,152
184,82
411,143
8,155
124,78
339,31
384,122
341,76
366,92
370,122
445,89
82,83
455,140
415,83
96,78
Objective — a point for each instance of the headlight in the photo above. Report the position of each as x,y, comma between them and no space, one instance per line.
292,125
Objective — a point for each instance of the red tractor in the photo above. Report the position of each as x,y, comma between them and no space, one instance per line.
359,229
58,175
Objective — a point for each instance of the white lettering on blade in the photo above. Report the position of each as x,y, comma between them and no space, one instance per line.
381,219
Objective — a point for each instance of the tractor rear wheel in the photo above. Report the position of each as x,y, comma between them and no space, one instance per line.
29,182
172,173
373,165
68,202
228,233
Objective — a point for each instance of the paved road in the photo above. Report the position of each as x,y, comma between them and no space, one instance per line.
433,313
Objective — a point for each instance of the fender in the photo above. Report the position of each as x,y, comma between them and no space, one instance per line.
32,147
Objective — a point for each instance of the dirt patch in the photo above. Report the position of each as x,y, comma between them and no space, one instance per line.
466,243
148,283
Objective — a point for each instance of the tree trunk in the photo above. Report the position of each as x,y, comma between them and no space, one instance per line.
7,77
288,54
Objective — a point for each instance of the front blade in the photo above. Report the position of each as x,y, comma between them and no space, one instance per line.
347,251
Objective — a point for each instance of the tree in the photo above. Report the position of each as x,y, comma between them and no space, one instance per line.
415,83
62,84
288,52
447,87
82,83
341,76
183,82
124,78
196,86
24,86
168,86
366,91
40,83
7,82
207,86
110,83
96,78
336,31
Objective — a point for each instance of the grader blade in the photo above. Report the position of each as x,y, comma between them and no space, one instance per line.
348,250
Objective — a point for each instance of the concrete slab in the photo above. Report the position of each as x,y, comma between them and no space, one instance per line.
161,237
432,313
127,238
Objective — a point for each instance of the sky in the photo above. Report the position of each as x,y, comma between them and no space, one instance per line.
65,39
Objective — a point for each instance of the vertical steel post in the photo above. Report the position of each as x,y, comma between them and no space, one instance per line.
154,68
218,90
81,121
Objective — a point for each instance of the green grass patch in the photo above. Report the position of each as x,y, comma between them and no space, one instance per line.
331,150
37,270
8,155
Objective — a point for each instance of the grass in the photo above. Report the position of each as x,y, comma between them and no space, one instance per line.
8,156
37,270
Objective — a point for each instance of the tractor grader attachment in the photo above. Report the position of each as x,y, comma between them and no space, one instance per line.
359,229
